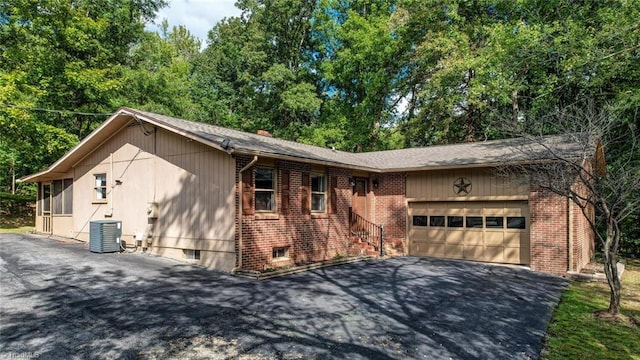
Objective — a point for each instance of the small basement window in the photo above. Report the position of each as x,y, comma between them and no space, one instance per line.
280,252
190,254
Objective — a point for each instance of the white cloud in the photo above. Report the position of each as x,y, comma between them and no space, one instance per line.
198,16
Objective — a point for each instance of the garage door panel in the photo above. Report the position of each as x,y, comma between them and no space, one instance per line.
494,254
483,240
436,250
473,252
455,236
418,234
512,255
513,238
437,235
494,238
455,251
473,237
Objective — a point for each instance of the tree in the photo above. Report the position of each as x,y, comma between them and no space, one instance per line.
158,73
254,73
610,192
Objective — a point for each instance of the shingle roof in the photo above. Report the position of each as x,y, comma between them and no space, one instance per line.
456,155
487,153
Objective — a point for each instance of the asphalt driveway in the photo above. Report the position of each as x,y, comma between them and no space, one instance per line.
59,301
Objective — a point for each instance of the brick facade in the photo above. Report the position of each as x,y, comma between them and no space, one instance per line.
548,232
308,237
311,237
390,210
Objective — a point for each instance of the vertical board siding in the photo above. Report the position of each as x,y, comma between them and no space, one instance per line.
438,185
193,185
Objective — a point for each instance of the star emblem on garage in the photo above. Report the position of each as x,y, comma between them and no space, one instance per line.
462,186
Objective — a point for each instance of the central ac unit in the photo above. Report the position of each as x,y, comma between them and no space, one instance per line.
104,236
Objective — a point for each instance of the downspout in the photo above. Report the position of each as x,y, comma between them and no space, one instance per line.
245,168
113,185
570,235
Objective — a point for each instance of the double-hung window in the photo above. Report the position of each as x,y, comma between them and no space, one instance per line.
318,192
265,189
101,187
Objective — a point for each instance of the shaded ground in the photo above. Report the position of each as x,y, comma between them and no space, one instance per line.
60,301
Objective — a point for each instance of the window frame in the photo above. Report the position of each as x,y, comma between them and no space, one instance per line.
272,191
276,250
62,197
98,188
322,193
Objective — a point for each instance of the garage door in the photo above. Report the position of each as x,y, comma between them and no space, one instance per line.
482,231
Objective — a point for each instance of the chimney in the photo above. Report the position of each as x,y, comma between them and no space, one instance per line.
264,133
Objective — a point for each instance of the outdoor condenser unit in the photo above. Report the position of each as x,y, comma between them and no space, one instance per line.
104,236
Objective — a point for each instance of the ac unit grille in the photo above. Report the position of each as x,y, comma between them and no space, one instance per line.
104,236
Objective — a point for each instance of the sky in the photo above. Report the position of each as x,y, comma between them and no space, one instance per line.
198,16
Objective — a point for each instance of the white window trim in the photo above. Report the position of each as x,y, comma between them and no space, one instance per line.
98,187
323,193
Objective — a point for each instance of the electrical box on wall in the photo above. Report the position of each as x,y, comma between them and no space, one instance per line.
152,210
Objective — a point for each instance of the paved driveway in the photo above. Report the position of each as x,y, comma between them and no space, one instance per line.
58,300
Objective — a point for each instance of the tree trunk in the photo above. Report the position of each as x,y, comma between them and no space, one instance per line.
610,264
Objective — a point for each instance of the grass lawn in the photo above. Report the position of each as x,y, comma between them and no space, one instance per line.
16,224
576,333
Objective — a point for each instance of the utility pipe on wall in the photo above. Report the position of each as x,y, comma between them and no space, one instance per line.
245,168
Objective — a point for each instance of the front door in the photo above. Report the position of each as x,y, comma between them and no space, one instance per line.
46,208
359,199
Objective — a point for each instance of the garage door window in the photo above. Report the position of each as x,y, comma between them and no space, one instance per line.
516,222
495,222
437,221
455,221
419,220
474,222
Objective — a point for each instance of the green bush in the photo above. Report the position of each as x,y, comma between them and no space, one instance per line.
16,205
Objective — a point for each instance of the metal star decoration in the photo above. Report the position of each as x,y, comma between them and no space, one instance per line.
462,186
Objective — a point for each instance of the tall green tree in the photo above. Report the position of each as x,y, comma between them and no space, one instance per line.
158,73
254,73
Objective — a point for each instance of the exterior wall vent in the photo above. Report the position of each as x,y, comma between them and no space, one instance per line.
104,236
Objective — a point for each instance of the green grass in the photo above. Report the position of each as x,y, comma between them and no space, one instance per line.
16,224
576,333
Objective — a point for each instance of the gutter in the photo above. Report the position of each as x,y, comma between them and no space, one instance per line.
245,168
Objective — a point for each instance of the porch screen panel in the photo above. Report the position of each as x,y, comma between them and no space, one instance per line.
57,197
40,197
68,196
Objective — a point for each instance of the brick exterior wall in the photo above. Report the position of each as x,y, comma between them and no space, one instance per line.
309,237
390,210
549,232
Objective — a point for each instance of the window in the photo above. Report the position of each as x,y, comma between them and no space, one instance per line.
516,222
280,252
101,187
265,193
455,221
63,197
318,192
419,220
494,222
474,221
436,221
192,254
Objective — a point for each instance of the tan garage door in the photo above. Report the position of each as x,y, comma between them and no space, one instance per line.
482,231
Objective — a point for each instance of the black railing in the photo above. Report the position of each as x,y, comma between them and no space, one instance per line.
367,231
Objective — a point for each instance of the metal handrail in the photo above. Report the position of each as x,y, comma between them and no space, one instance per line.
369,232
